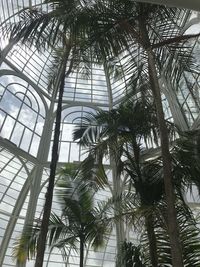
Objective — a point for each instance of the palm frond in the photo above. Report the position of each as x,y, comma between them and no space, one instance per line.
25,246
93,172
131,255
186,156
189,235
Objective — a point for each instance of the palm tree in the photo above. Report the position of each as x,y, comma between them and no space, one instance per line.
80,221
147,204
189,236
150,190
120,133
113,28
139,30
53,164
146,180
67,55
32,30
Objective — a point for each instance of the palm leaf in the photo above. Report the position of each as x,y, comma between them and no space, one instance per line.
25,246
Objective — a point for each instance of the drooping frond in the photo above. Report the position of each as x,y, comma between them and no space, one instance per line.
25,246
131,255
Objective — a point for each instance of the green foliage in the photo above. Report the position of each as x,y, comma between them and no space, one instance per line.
93,171
108,31
186,162
121,130
79,220
106,131
25,247
189,235
131,255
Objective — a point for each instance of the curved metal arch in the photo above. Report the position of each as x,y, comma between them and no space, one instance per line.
17,208
64,107
4,72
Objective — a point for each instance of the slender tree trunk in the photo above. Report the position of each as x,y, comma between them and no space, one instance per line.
119,223
176,251
81,252
152,240
49,194
173,229
148,218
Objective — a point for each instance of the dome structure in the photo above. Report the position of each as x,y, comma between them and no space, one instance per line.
27,117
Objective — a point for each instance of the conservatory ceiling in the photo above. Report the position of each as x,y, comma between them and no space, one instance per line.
193,4
27,112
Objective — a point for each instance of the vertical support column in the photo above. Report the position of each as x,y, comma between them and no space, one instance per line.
14,216
42,157
178,116
117,191
5,51
116,179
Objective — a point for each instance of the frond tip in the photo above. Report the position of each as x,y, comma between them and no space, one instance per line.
25,246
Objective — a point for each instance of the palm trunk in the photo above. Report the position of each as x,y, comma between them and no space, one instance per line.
119,223
151,240
81,252
148,218
176,251
49,194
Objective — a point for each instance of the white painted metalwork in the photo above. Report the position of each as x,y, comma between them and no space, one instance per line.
27,113
192,4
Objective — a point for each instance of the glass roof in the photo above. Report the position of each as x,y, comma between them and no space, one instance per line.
36,66
27,115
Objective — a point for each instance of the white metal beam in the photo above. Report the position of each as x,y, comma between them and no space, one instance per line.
192,4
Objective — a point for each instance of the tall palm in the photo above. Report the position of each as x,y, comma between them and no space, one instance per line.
121,132
149,187
125,130
95,134
189,233
112,27
64,63
139,30
147,182
80,222
149,192
53,164
82,217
